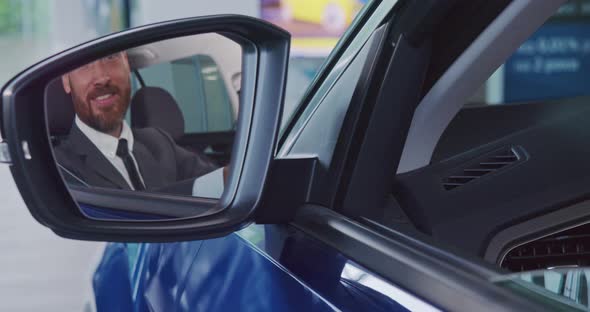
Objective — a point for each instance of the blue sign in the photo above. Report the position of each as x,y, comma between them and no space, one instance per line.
553,63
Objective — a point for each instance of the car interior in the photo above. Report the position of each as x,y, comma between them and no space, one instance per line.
497,166
508,183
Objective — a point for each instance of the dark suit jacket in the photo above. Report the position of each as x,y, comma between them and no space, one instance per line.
161,162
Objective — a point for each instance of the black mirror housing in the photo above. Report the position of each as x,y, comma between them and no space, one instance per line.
24,131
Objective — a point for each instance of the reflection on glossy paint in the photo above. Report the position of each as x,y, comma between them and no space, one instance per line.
223,274
318,266
354,273
264,268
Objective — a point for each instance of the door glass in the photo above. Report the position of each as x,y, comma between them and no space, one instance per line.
315,27
561,285
342,72
551,67
302,71
553,63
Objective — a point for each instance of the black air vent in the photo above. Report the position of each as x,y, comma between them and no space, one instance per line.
491,163
567,248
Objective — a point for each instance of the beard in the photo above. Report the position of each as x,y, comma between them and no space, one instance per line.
106,120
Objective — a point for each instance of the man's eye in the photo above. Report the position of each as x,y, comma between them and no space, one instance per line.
85,67
112,57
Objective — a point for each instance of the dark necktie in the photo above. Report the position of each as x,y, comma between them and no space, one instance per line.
123,152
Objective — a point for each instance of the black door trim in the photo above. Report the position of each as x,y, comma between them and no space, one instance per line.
434,275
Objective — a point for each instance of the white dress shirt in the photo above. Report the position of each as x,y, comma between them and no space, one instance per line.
210,185
107,145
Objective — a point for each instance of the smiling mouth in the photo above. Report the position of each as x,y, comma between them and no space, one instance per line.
103,97
104,100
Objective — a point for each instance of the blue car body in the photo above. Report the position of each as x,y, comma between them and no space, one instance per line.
261,268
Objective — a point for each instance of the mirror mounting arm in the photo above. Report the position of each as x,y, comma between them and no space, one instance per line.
282,197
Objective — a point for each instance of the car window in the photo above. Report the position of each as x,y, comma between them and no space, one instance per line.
301,72
315,27
553,63
320,121
551,66
200,90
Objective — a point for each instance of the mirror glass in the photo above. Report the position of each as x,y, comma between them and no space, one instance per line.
158,119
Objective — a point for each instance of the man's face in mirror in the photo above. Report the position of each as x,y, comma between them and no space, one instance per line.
101,92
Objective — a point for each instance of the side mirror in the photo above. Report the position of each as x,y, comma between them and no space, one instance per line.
158,133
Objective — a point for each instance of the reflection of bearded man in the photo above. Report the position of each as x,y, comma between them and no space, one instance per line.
101,92
102,150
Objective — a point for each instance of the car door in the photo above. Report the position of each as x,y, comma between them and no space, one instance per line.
301,272
327,258
260,268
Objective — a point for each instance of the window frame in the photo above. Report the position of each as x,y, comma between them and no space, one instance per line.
326,72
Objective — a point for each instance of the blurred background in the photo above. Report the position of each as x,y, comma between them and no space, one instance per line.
39,270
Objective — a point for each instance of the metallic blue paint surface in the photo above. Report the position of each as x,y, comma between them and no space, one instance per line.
112,288
93,212
263,268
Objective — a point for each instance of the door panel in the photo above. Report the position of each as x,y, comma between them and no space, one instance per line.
264,268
